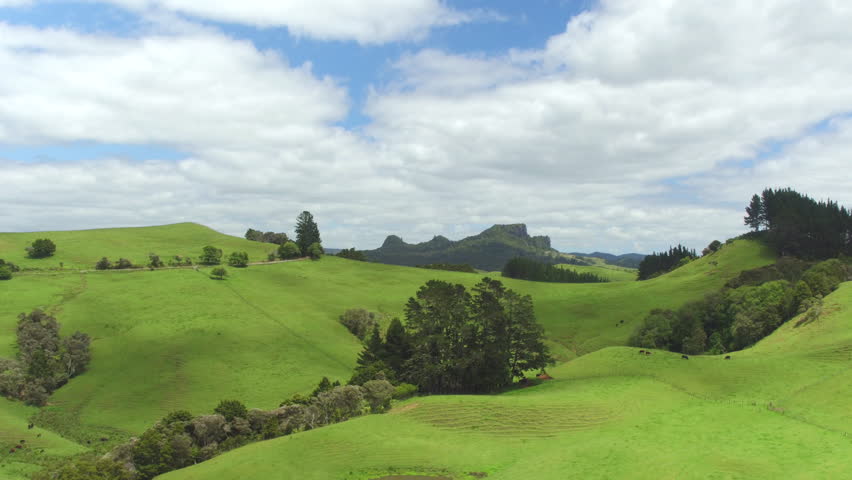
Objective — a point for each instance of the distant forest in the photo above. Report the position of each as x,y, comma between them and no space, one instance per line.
528,269
659,263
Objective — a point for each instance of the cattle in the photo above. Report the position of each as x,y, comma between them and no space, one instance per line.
727,357
641,352
685,357
104,439
18,446
11,450
647,352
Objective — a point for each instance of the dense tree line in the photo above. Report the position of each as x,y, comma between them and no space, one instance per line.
45,361
798,225
181,439
658,263
529,269
450,267
750,307
266,237
455,341
352,254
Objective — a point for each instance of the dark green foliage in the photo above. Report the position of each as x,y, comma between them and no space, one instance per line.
490,250
735,318
231,409
714,246
218,273
41,248
88,468
800,226
528,269
5,273
154,261
396,347
45,360
659,263
266,237
9,265
323,386
210,255
404,390
238,259
180,261
307,233
315,251
122,264
449,267
289,250
358,321
352,254
378,394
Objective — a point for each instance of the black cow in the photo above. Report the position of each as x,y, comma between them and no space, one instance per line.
30,426
647,352
685,357
641,352
727,357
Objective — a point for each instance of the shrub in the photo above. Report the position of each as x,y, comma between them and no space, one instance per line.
218,273
288,250
404,390
11,266
103,264
41,248
122,264
231,409
315,251
238,259
359,321
180,261
714,246
378,394
154,261
210,256
5,272
271,257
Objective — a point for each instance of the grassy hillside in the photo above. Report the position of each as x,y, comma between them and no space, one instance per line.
610,272
777,410
82,248
172,339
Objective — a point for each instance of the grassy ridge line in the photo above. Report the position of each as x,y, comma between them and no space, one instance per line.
664,417
81,249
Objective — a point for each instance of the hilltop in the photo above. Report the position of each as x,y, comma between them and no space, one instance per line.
489,250
627,260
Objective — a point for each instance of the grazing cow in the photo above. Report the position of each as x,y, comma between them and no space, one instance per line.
685,357
104,439
727,357
11,450
647,352
641,352
18,447
30,426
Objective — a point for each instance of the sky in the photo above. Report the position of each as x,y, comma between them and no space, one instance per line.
609,125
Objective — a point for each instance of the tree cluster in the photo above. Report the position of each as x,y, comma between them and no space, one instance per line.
455,341
748,309
266,237
450,267
528,269
657,264
7,269
798,225
352,254
122,264
45,361
41,248
359,322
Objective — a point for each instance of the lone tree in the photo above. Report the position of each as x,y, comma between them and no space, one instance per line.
42,248
307,232
210,256
238,259
218,273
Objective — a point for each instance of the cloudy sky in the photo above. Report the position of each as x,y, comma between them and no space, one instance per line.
615,125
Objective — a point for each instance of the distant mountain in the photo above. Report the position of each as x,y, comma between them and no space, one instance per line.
490,250
629,260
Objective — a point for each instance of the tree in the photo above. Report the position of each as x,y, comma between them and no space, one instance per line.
123,263
210,255
315,251
397,346
755,214
352,254
154,261
288,250
238,259
714,246
218,273
307,232
231,409
103,264
358,321
5,273
378,394
10,266
41,248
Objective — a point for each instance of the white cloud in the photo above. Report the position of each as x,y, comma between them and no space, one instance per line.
579,139
365,21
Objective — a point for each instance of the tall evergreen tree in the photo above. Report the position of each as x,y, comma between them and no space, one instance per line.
307,232
756,216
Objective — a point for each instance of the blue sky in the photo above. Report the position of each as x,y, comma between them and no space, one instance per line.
618,126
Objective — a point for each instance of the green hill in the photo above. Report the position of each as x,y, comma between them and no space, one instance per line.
81,249
170,339
490,250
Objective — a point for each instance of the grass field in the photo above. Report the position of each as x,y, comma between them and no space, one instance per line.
176,339
613,273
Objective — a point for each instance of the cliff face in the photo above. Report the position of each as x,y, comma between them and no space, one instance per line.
489,250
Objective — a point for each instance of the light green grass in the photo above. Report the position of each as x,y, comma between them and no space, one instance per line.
778,410
81,249
613,273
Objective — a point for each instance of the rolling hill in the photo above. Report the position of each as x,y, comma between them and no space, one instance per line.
171,339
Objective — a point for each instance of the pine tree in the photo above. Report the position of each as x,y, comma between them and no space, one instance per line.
756,216
307,232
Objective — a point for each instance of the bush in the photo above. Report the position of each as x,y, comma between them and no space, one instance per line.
11,266
238,259
218,273
288,250
154,261
378,394
714,246
180,261
41,248
315,251
5,273
210,256
404,390
359,321
103,264
122,264
231,409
